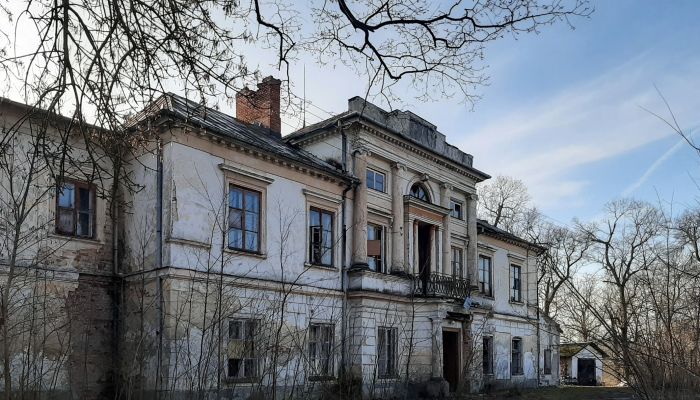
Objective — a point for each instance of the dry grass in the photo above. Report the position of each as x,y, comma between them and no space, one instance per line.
562,393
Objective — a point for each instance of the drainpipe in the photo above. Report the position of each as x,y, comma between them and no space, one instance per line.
537,307
159,261
343,325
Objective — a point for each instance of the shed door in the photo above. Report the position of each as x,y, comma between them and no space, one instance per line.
586,371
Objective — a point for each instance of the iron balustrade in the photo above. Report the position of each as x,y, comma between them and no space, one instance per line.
434,284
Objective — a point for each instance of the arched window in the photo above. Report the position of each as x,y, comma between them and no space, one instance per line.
420,192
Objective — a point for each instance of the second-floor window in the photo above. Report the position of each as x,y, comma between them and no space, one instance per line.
485,276
321,237
243,219
456,207
516,359
375,180
375,247
457,262
516,284
321,349
243,356
75,209
387,344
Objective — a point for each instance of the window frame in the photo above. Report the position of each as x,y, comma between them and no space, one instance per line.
243,211
490,275
382,257
460,214
513,281
317,356
487,355
92,193
460,252
391,342
254,358
321,212
516,368
374,173
420,186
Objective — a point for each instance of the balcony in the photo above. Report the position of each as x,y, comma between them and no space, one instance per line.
434,284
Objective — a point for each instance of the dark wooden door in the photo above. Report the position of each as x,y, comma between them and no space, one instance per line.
586,372
450,358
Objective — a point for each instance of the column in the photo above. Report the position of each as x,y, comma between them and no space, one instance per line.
359,212
445,193
433,266
472,259
436,362
397,211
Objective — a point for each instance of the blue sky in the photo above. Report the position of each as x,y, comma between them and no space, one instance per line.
564,108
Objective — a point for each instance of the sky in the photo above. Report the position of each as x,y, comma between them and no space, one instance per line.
567,111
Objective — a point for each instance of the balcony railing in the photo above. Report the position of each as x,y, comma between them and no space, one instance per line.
440,285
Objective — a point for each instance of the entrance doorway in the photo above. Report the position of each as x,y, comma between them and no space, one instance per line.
586,372
450,358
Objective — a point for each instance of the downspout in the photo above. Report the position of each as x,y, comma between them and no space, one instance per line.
343,280
537,307
159,261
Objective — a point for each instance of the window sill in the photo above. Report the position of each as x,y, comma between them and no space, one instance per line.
319,266
262,256
518,303
241,380
78,239
388,378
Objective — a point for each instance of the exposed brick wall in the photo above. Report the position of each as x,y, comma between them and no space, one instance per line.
91,356
261,106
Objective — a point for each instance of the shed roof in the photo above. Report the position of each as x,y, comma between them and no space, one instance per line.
571,349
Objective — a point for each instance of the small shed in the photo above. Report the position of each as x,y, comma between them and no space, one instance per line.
581,363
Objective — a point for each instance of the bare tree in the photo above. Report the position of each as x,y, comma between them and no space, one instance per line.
504,202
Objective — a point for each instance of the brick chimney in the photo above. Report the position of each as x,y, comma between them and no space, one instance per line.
262,106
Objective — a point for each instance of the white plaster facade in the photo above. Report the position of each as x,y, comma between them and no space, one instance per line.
184,290
574,356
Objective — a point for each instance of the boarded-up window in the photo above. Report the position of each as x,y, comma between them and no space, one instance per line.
487,355
516,359
547,361
387,343
375,247
516,283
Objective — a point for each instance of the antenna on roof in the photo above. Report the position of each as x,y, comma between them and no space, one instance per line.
304,104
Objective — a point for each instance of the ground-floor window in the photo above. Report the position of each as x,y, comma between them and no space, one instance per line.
547,361
487,355
242,352
516,360
387,343
321,349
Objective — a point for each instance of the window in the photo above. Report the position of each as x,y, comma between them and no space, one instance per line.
457,262
375,180
243,219
387,343
487,355
485,275
516,283
456,207
242,351
420,192
75,209
321,237
547,361
321,349
516,358
375,247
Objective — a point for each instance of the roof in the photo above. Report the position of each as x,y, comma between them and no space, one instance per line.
404,124
227,126
34,110
571,349
485,228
